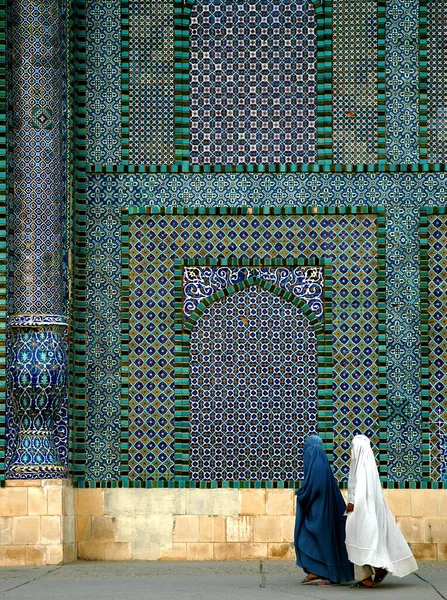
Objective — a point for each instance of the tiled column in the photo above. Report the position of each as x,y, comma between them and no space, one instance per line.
37,365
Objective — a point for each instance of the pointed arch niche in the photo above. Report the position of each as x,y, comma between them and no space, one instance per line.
253,380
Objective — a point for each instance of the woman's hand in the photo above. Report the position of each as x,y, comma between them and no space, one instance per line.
350,507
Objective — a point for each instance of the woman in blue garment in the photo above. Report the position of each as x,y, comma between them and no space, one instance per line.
320,525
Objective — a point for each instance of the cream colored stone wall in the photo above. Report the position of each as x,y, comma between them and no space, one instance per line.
37,523
161,524
49,522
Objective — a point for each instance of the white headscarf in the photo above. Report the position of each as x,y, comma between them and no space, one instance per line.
372,536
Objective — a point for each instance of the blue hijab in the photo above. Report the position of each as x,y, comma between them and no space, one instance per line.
319,526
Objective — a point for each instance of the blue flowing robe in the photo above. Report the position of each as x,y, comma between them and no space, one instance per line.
319,526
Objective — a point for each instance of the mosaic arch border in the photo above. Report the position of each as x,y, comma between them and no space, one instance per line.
424,214
182,11
131,211
182,356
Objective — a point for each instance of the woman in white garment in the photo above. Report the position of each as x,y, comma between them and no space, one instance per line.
374,542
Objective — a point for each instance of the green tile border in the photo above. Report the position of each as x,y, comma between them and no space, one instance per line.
125,314
3,231
323,333
424,215
381,82
130,211
79,236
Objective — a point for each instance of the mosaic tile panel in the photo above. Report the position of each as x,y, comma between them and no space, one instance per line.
253,389
103,82
402,100
150,118
355,74
436,14
350,241
436,272
402,194
253,82
306,283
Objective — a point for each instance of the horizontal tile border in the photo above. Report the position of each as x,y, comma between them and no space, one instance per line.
183,331
130,211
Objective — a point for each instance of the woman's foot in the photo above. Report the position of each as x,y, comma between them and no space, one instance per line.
380,575
310,578
365,583
325,582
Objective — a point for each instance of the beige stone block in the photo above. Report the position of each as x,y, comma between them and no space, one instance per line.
103,529
226,502
55,554
69,553
25,530
412,528
12,556
5,531
61,483
91,550
37,501
442,552
24,483
54,500
279,502
51,530
83,528
13,502
442,502
35,556
425,551
118,502
219,529
287,528
267,529
199,502
227,551
69,501
280,552
186,529
199,552
435,530
150,551
116,551
424,503
145,533
253,551
206,526
240,529
69,529
90,502
252,502
176,552
399,502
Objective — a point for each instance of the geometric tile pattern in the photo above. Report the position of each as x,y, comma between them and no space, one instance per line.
436,13
253,92
402,195
151,82
355,73
434,269
253,389
103,89
305,283
402,98
350,241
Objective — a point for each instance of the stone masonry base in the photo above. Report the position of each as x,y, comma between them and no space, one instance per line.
49,522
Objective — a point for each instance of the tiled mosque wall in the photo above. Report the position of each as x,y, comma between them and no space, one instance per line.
240,170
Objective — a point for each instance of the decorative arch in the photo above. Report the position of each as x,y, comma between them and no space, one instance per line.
323,120
182,369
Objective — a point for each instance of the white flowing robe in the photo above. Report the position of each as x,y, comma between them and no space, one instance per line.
372,536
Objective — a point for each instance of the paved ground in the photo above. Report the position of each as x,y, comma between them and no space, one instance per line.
201,581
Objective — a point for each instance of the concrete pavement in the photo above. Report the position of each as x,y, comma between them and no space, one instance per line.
202,581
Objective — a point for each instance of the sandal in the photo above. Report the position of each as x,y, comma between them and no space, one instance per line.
309,579
360,584
380,575
325,582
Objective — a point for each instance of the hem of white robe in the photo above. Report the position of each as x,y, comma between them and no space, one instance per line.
366,556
